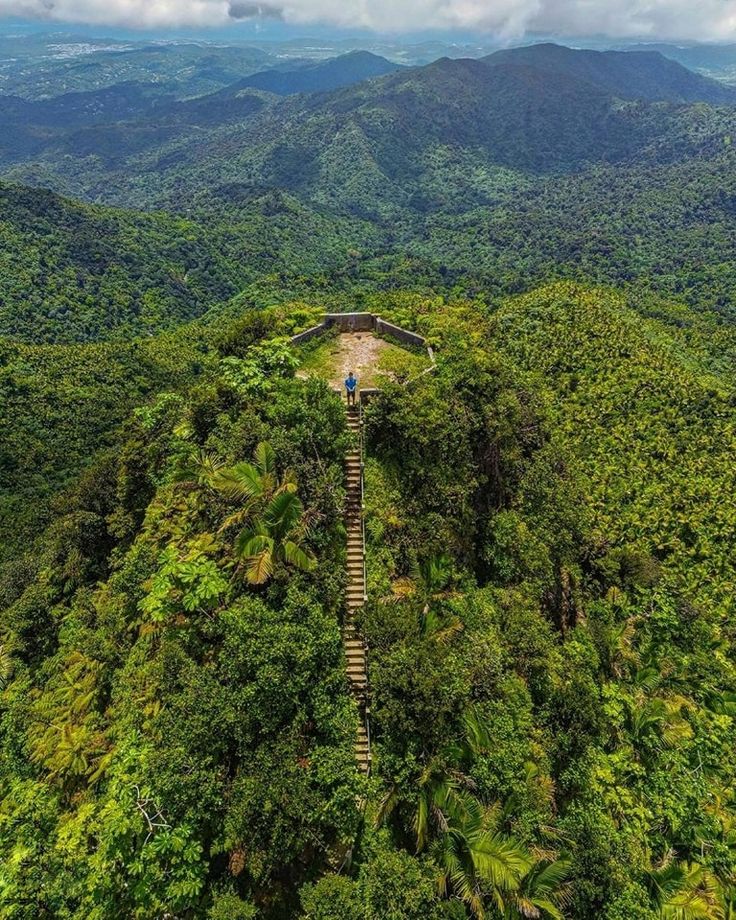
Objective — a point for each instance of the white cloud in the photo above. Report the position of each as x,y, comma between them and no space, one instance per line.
706,19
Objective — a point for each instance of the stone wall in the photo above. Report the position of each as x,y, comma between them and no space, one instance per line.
383,327
309,333
352,322
364,322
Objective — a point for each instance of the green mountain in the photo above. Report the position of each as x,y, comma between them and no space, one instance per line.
73,272
535,111
646,75
324,76
544,669
548,518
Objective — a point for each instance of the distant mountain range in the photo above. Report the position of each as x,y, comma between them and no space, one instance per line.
344,70
525,165
647,75
371,148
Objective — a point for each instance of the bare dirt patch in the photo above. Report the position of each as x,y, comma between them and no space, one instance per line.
360,353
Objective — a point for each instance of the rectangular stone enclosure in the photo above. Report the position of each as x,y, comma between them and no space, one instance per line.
361,322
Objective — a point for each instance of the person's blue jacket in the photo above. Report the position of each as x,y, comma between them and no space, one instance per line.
351,383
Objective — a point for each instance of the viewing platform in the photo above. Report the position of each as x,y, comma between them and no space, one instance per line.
369,346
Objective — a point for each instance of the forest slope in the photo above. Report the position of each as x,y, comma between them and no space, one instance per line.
548,520
539,110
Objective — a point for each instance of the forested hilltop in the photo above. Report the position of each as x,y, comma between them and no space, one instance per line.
549,510
550,577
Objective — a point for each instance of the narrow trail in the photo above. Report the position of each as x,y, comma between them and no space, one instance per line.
355,652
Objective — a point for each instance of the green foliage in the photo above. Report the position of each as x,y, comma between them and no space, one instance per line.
549,512
173,743
258,371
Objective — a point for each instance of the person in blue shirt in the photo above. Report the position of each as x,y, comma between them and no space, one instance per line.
351,388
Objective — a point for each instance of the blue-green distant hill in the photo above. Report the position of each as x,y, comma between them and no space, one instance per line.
646,75
327,75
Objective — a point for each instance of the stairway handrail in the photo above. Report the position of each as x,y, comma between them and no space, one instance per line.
365,573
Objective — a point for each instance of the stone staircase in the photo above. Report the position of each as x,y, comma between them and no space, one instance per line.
355,652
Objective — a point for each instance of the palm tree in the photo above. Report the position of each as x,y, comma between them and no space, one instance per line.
475,860
618,647
254,481
272,517
658,721
685,891
541,892
6,666
276,535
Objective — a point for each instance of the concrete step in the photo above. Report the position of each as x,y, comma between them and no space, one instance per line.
353,644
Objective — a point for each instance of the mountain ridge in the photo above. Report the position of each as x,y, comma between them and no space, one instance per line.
343,70
646,75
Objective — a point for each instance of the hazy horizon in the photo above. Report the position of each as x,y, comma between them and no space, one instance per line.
500,22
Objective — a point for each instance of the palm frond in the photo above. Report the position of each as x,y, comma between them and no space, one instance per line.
241,482
264,457
259,568
499,860
252,541
283,513
298,557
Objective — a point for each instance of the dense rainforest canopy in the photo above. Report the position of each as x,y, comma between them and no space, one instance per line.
551,584
549,512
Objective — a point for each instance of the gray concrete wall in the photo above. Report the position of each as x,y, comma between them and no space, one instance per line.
401,335
309,334
352,322
363,322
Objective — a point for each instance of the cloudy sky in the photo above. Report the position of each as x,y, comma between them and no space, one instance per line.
672,19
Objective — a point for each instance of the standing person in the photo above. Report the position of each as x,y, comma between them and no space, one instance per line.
351,387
